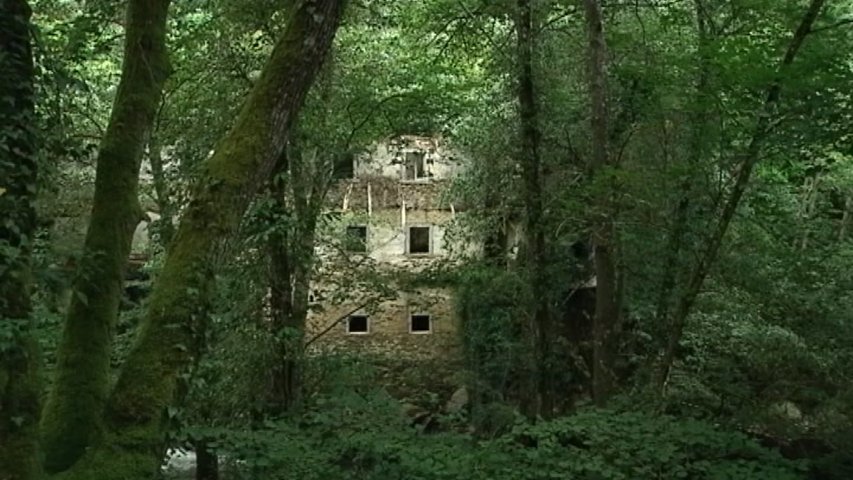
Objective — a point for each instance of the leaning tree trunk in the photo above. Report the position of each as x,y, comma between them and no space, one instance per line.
606,322
19,386
133,442
750,157
81,387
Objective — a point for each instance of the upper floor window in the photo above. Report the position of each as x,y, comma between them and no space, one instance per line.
343,166
355,239
419,240
414,166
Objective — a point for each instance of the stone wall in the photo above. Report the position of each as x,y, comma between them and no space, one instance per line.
389,327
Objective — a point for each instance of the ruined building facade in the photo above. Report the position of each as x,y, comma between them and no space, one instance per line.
391,221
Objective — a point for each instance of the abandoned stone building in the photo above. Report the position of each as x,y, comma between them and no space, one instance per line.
393,218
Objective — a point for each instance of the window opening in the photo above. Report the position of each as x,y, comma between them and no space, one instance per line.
355,239
420,323
344,167
413,167
357,324
419,240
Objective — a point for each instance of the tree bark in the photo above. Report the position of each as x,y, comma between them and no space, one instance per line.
75,404
286,379
539,328
19,360
750,157
606,321
298,195
133,441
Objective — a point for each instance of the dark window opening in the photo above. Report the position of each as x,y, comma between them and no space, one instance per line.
315,296
356,239
419,240
421,324
344,167
357,324
414,166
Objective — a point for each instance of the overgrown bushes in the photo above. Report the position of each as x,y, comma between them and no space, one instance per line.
365,436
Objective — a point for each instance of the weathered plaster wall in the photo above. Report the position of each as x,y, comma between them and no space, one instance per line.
386,158
387,204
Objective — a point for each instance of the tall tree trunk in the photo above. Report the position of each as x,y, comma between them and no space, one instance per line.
606,322
286,375
308,188
19,360
300,198
133,441
76,402
750,157
539,329
845,217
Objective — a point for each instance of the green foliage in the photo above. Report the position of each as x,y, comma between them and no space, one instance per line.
365,436
490,305
767,347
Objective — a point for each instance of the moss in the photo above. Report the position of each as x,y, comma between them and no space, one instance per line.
175,319
74,408
19,442
118,465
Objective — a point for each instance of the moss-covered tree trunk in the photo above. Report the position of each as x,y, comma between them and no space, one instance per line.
73,409
19,387
133,441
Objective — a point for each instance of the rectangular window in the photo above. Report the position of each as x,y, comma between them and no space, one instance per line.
343,166
419,240
420,323
358,324
413,166
355,239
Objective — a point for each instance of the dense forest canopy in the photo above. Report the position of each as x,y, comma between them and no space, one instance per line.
645,247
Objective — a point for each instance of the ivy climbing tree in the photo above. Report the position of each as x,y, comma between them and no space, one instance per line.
19,359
